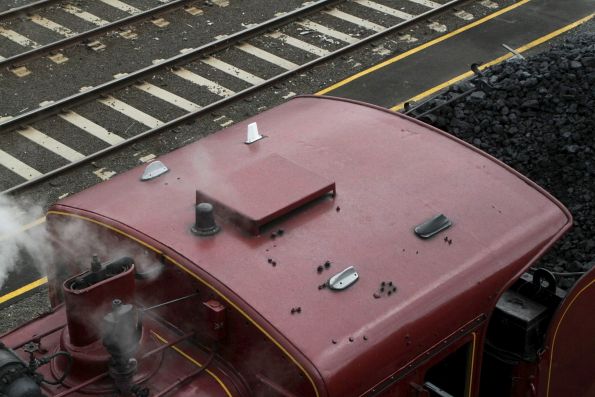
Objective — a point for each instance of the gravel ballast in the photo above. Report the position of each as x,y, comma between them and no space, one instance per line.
539,119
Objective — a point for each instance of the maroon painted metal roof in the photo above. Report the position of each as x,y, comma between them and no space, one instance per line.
391,173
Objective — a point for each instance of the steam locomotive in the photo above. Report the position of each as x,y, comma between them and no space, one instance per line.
324,248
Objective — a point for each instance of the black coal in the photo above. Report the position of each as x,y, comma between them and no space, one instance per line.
539,119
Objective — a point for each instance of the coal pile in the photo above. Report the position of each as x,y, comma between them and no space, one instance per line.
539,119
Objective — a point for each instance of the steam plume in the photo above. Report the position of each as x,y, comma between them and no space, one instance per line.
15,244
77,238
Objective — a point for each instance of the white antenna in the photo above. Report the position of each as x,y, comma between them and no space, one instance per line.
252,134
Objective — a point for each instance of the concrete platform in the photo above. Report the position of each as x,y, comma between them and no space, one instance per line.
407,75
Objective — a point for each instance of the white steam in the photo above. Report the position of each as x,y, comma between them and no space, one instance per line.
69,245
16,245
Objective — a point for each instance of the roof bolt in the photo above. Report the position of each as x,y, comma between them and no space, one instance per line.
334,342
351,339
365,337
274,263
299,309
338,209
293,310
376,295
280,232
319,269
270,260
327,264
382,284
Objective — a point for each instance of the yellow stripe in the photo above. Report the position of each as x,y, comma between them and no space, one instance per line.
493,62
279,346
549,373
23,228
22,290
423,47
193,361
472,366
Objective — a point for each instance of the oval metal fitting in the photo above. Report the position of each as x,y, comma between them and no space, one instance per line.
343,279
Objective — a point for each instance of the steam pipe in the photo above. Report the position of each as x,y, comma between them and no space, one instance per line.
106,374
81,385
146,355
169,302
185,379
38,337
168,344
46,360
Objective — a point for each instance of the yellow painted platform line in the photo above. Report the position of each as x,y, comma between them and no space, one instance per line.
24,289
422,47
493,62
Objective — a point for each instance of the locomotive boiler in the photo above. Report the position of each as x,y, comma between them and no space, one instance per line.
336,250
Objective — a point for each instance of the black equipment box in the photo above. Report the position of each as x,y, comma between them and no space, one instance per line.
517,326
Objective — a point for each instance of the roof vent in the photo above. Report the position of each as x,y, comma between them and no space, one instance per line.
252,135
204,224
263,191
433,226
153,170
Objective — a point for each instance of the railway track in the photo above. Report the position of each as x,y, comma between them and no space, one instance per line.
68,132
68,35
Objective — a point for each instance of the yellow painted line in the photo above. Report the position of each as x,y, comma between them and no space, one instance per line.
493,62
22,290
472,365
423,47
193,361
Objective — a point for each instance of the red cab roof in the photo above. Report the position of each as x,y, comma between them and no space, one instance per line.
390,173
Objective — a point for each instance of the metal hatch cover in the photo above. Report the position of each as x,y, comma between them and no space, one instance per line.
263,191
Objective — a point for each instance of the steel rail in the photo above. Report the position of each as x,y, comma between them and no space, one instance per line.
127,80
192,115
81,37
15,11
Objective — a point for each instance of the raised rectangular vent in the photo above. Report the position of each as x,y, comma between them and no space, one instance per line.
264,191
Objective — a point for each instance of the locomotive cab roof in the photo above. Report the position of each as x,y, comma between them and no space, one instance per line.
343,184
